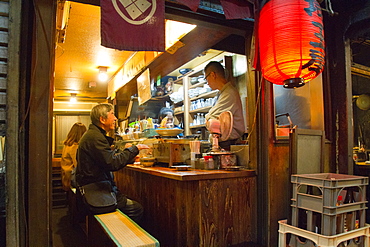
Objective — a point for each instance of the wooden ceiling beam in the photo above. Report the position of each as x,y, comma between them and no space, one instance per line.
197,41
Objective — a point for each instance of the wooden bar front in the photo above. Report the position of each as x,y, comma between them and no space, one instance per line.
195,207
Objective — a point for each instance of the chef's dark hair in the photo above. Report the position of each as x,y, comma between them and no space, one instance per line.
215,67
164,111
100,110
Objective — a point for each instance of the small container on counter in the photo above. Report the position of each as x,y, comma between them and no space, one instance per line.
209,162
200,164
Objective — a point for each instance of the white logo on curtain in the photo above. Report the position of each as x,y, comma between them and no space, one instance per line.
135,9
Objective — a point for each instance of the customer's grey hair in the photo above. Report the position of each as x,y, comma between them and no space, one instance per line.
100,110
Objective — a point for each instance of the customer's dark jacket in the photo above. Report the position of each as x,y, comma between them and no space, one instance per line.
95,158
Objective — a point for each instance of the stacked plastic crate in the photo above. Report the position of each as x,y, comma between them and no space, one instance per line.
328,209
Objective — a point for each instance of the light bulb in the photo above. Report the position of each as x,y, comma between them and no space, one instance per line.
103,77
73,100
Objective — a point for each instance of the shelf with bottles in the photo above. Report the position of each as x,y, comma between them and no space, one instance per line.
206,95
198,120
201,104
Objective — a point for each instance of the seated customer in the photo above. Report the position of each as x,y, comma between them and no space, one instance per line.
69,161
97,160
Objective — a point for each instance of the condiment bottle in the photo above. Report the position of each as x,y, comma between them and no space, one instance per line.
209,162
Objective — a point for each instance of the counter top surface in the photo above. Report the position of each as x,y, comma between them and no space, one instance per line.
192,174
363,163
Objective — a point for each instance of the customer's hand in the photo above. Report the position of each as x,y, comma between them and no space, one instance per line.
127,145
142,146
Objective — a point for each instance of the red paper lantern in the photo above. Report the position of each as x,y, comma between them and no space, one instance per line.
291,41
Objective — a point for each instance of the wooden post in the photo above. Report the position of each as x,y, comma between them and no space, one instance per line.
40,125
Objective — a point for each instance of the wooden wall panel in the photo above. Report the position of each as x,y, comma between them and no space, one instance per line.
278,189
15,217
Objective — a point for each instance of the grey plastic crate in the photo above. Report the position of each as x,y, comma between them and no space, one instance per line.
328,222
328,187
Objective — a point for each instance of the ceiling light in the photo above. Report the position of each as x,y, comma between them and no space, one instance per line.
175,30
73,98
103,76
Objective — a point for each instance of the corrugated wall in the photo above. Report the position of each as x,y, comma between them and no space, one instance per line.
4,21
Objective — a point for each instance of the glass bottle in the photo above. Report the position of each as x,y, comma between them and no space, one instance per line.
340,217
195,121
202,120
349,218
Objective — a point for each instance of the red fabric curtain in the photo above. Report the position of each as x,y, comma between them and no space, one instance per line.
133,25
237,9
192,4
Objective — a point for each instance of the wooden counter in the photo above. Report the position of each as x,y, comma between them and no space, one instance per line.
192,174
195,207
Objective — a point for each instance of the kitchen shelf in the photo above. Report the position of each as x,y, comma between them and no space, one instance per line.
179,80
178,103
197,126
179,113
202,110
205,95
199,84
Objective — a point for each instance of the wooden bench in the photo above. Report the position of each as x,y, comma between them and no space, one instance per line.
111,229
117,229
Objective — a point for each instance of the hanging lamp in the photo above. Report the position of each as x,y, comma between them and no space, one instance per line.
291,41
